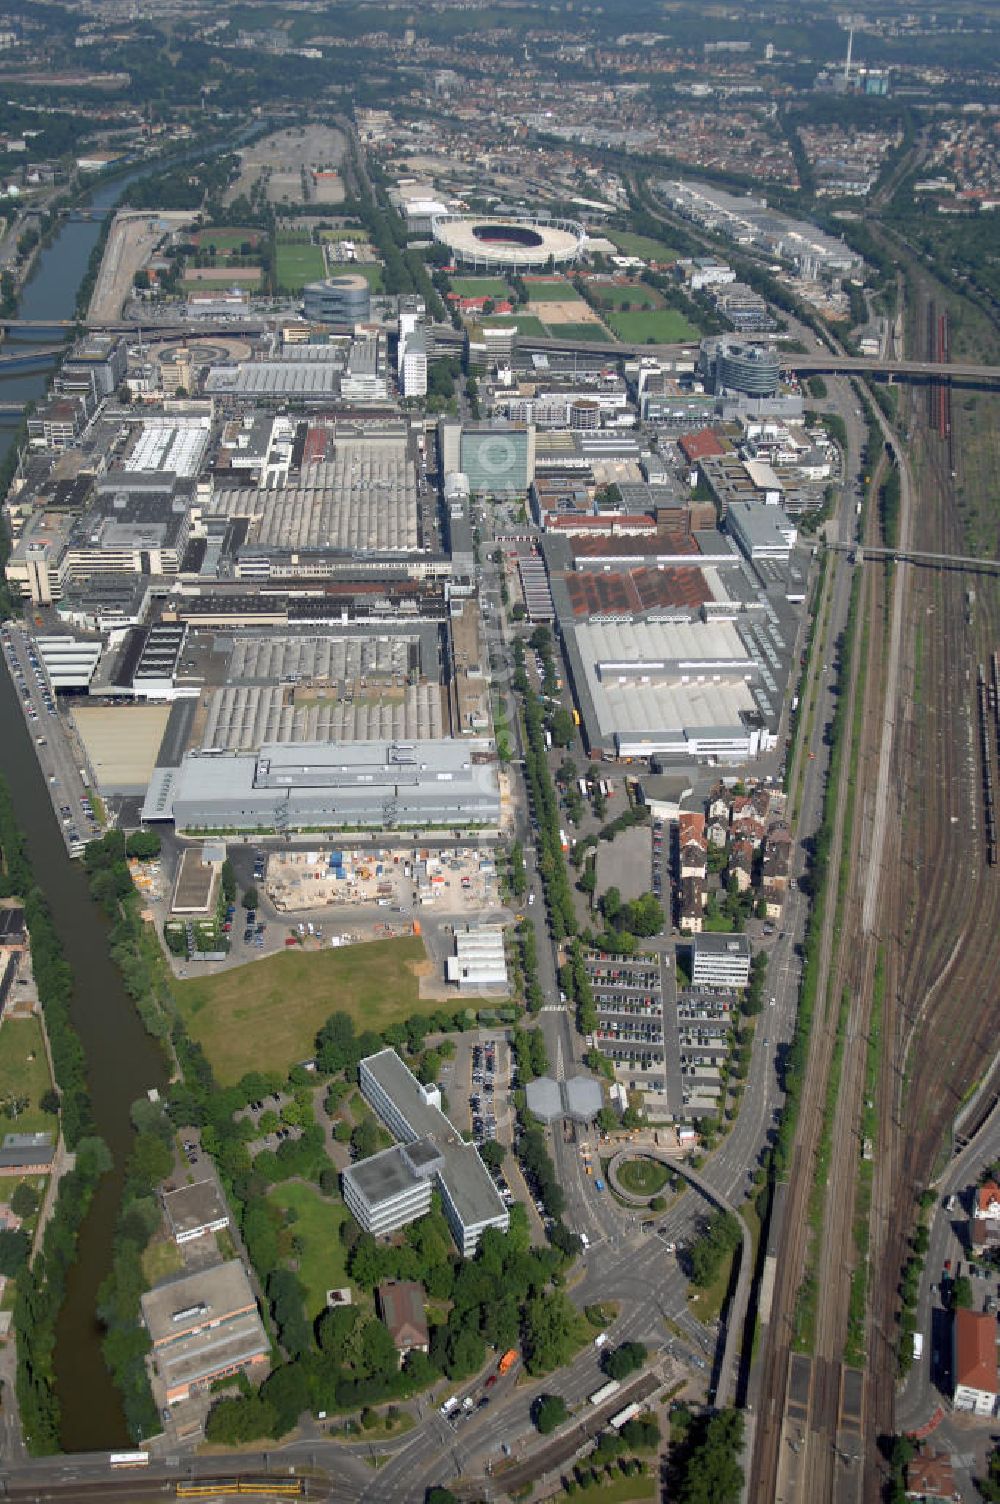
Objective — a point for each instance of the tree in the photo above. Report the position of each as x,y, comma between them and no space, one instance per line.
24,1202
251,898
710,1472
548,1412
624,1359
364,1139
439,1495
49,1101
143,844
551,1324
228,881
13,1252
961,1294
492,1154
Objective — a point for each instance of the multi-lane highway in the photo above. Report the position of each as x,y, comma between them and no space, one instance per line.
59,756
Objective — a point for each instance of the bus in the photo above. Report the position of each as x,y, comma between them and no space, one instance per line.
624,1416
128,1459
605,1392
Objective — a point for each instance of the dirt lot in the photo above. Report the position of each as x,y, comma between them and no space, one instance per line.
282,157
133,237
567,311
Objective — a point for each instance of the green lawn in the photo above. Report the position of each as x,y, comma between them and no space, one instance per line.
161,1260
665,325
225,237
24,1073
267,1014
621,1491
321,1264
372,270
643,1177
616,297
350,233
480,287
641,245
595,332
558,290
526,322
706,1304
299,264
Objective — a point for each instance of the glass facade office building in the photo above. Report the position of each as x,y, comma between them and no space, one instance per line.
498,461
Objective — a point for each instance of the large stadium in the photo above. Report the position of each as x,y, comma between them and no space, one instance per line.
510,245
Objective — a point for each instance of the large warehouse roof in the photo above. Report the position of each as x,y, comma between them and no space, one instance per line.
678,688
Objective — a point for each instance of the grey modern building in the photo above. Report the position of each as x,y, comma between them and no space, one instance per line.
331,786
343,300
720,961
393,1188
730,365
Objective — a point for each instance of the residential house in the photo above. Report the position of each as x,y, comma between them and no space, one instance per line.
741,865
691,904
401,1306
930,1476
984,1224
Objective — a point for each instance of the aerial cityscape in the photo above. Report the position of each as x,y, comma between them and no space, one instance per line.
500,619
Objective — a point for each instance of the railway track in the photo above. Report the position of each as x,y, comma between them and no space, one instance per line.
781,1411
834,1427
943,905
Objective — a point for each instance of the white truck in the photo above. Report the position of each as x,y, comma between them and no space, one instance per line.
918,1346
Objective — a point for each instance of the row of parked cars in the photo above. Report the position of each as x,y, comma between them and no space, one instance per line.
484,1123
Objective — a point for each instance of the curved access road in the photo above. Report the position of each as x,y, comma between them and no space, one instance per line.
736,1315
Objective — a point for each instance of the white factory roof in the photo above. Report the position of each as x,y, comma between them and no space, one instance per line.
666,646
170,444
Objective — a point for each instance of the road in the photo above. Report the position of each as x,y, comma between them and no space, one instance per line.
58,752
919,1396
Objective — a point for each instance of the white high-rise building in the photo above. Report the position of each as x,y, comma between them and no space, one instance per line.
412,357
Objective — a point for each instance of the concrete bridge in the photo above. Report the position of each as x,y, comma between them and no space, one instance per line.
968,562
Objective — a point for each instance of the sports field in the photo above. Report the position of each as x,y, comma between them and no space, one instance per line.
225,238
480,287
267,1014
558,290
594,331
642,245
218,278
661,326
371,270
299,264
635,297
526,322
321,1265
24,1077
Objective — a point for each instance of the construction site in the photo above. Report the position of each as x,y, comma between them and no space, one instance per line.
459,882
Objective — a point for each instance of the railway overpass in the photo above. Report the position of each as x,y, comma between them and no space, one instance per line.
968,562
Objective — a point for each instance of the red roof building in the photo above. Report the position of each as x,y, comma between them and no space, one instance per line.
975,1362
930,1475
703,445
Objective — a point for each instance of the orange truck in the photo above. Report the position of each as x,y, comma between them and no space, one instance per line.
508,1360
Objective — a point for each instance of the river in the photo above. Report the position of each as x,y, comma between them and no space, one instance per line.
122,1061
